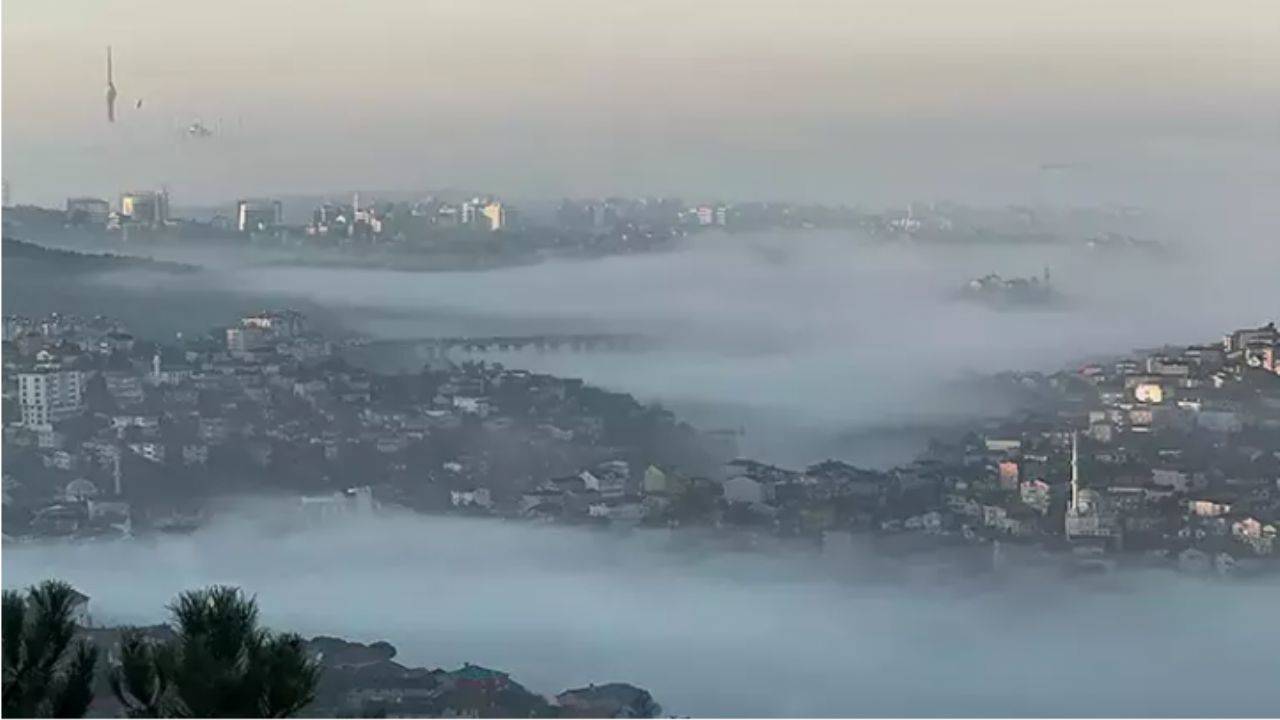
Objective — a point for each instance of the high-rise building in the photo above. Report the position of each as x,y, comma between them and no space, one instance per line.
48,395
496,214
149,207
258,214
87,211
471,211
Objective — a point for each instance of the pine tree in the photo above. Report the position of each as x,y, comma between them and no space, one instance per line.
220,663
47,671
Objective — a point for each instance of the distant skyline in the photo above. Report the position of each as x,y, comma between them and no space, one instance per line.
873,102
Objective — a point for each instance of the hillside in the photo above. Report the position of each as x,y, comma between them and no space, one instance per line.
38,258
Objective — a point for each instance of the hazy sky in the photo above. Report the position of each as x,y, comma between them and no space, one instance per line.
871,101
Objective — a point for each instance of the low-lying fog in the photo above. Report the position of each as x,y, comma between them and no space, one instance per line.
810,340
710,633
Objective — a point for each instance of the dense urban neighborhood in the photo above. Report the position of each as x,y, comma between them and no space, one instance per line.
1171,456
453,231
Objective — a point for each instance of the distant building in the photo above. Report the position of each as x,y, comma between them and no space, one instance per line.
485,213
1241,339
356,501
87,211
241,340
475,677
1007,474
1149,392
124,387
743,489
478,497
470,213
614,700
496,214
150,207
656,480
448,216
255,215
1088,516
331,219
50,395
277,323
1037,495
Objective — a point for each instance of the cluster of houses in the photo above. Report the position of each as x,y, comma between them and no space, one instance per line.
106,433
365,681
1172,453
1171,456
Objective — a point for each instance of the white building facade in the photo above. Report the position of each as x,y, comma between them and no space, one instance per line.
47,396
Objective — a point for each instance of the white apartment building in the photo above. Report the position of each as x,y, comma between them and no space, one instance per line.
47,396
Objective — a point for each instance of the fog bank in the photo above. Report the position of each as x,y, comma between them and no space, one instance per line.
805,338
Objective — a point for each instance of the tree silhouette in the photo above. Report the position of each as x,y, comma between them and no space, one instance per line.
219,664
47,672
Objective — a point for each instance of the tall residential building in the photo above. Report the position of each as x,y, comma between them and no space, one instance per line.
258,214
87,211
496,214
149,207
471,211
50,395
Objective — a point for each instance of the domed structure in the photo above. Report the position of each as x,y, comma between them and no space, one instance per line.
1088,515
80,489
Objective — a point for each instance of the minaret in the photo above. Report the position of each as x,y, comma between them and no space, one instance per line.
117,476
1075,471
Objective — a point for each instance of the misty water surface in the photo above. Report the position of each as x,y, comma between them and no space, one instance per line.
711,633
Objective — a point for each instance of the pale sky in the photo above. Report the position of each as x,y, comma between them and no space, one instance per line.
858,101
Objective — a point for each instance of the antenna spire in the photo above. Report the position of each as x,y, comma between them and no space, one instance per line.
111,90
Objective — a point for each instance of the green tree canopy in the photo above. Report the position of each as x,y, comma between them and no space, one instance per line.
219,664
47,671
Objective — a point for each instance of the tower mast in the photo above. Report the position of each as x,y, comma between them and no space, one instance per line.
111,90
